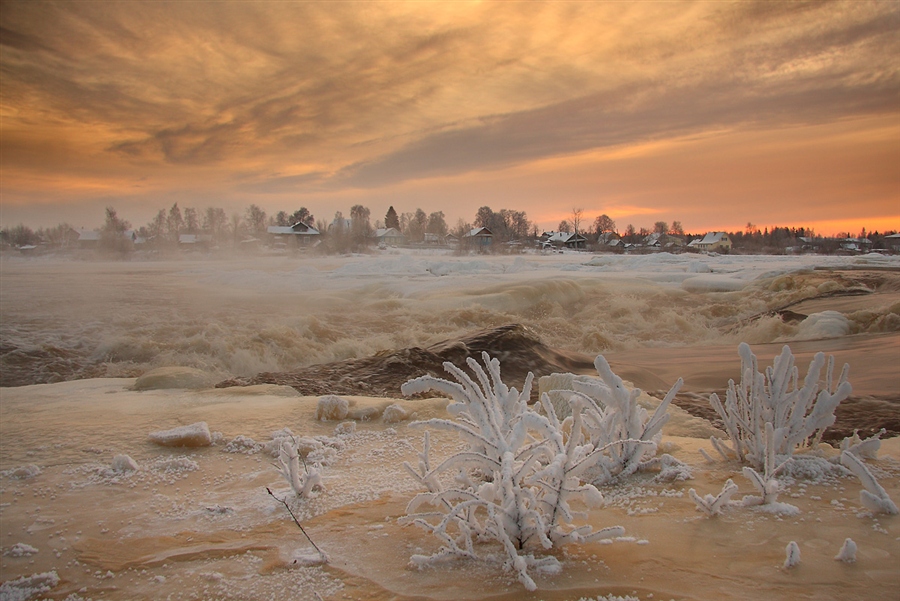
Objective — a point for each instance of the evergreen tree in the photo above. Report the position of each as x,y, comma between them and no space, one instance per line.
391,220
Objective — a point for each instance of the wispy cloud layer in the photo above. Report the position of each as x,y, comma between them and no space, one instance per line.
319,99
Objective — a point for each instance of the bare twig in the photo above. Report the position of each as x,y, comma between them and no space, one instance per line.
296,521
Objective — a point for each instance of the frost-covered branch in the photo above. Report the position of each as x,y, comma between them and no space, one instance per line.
798,413
713,505
303,482
874,497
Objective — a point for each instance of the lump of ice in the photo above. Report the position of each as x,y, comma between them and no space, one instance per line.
20,550
193,435
332,408
28,586
242,444
24,472
124,463
163,378
394,414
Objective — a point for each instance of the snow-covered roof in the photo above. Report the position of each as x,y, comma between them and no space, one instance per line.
387,232
88,235
479,231
710,238
298,229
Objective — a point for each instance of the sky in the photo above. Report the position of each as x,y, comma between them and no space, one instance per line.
713,114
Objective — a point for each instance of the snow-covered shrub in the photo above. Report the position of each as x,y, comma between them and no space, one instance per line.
796,412
332,408
515,482
614,422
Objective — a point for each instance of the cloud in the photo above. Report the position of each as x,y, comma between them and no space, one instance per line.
599,121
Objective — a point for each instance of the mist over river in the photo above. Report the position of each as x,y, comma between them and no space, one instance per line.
68,319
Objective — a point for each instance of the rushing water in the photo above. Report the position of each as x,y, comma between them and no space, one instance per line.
63,319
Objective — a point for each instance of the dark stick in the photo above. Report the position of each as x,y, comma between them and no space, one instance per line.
296,521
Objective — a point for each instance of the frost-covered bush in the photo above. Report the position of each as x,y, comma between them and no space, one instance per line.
522,469
798,413
626,434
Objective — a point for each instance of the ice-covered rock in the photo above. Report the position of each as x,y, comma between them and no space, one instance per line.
193,435
395,413
124,463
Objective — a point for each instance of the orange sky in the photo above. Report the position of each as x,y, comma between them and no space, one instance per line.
714,114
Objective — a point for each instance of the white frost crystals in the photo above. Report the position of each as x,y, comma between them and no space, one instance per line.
796,412
514,482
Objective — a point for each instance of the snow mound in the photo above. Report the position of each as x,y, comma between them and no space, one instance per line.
174,377
847,554
193,435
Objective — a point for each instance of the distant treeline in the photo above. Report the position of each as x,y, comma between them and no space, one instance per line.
355,232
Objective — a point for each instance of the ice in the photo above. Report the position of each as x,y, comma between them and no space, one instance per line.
192,435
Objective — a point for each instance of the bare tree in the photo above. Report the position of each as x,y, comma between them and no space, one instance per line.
256,220
603,223
576,218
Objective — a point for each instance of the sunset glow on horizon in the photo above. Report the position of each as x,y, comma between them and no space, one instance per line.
712,114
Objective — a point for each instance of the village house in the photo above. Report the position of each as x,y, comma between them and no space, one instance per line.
479,238
563,239
712,242
892,242
388,237
657,241
299,234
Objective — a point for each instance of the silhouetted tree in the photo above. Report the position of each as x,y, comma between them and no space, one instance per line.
603,223
256,220
112,235
391,219
174,223
302,215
